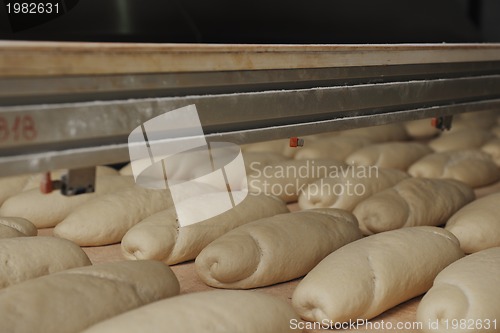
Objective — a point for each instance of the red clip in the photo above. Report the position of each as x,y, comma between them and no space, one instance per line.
46,183
435,122
296,142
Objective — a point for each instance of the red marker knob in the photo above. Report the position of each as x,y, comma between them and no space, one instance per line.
296,142
46,183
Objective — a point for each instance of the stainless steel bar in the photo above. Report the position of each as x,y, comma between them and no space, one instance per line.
37,128
115,153
66,89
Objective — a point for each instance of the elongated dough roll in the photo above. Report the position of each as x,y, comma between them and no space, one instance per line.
160,237
473,167
412,202
257,160
369,276
26,258
465,296
336,147
22,225
72,300
275,249
477,225
469,138
220,311
496,131
106,219
468,120
421,129
492,148
9,232
286,179
10,186
392,155
348,188
47,210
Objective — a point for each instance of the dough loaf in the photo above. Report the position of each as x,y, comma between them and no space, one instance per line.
473,167
22,225
421,129
26,258
47,210
477,225
10,186
412,202
286,179
496,131
335,147
275,249
492,148
257,160
8,232
72,300
348,189
160,237
466,291
106,219
469,138
371,275
220,311
393,155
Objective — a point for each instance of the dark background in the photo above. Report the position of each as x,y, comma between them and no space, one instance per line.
256,21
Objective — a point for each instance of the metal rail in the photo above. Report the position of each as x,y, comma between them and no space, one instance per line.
73,115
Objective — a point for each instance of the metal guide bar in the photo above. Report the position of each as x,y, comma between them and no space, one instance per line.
38,128
66,89
115,153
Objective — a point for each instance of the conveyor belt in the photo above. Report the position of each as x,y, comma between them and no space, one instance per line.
71,105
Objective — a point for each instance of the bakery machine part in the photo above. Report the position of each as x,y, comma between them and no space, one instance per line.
73,105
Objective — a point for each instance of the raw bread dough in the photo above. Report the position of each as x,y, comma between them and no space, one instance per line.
349,188
492,148
106,219
26,258
22,225
473,167
160,237
336,147
393,155
381,133
257,160
369,276
412,202
496,131
8,232
10,186
275,249
286,179
220,311
482,120
464,292
421,129
469,138
72,300
47,210
477,225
